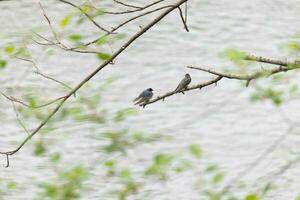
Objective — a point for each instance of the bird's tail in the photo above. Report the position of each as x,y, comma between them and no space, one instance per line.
136,99
177,88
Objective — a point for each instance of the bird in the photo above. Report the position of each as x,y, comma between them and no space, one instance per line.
144,97
183,83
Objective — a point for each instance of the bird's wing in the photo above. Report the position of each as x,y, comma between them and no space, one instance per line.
140,101
140,96
143,100
181,84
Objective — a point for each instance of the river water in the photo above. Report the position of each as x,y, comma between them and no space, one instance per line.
231,130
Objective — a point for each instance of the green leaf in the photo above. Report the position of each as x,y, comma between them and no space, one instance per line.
183,165
2,64
110,164
65,21
123,114
50,52
293,89
294,46
102,40
11,185
22,52
233,54
252,197
211,168
120,36
75,37
218,178
162,159
103,56
55,157
125,173
10,49
195,150
40,148
298,197
85,8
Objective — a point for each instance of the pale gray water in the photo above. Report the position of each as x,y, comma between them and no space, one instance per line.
232,131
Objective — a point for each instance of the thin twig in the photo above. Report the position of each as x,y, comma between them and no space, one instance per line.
30,106
87,15
121,25
38,71
127,5
18,118
7,161
183,19
135,10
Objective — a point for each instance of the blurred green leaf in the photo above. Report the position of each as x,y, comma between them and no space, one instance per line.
183,165
110,163
218,178
50,51
102,40
55,157
2,64
130,187
252,197
125,173
293,89
294,46
160,166
110,38
195,150
163,159
11,185
23,53
123,114
39,148
103,56
75,37
10,49
233,55
65,21
211,168
275,95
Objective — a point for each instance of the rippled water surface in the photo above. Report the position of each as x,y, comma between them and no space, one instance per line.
232,131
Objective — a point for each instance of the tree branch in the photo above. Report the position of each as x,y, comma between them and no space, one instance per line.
194,87
283,67
91,75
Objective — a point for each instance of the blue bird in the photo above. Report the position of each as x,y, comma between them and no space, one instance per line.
184,83
144,97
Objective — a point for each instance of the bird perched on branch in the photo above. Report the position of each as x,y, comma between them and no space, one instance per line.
184,83
144,97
